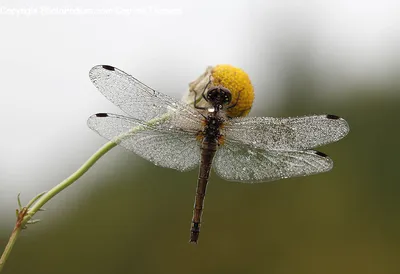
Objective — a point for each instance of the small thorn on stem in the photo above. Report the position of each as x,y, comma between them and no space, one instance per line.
32,222
19,201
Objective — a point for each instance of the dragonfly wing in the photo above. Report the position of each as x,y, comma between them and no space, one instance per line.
243,163
162,144
135,98
296,133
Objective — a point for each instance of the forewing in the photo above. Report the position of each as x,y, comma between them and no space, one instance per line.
161,143
296,133
135,98
243,163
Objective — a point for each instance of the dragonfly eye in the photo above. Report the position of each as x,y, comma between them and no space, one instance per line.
227,97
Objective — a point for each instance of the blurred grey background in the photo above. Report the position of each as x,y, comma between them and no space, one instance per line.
126,215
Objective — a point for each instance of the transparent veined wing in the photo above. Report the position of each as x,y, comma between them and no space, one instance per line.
235,161
135,98
164,144
297,133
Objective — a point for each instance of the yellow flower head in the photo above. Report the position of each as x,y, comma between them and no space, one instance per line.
230,77
238,82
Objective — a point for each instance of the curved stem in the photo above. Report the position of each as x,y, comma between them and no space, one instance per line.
67,182
9,246
88,164
27,212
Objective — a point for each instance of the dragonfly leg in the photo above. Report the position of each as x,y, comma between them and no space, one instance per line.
202,95
195,101
237,100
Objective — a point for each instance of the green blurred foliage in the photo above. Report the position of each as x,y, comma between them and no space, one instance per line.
138,220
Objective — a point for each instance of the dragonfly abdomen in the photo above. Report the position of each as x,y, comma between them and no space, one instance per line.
208,149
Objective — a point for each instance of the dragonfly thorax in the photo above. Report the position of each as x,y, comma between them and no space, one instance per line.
212,127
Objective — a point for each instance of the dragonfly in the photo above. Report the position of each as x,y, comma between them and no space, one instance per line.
173,134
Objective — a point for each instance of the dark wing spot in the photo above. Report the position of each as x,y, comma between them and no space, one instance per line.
107,67
331,116
101,115
321,154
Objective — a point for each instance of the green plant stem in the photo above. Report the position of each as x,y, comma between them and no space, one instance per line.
9,246
44,198
88,164
67,182
40,200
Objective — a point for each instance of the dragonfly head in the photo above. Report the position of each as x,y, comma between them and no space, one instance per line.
218,96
